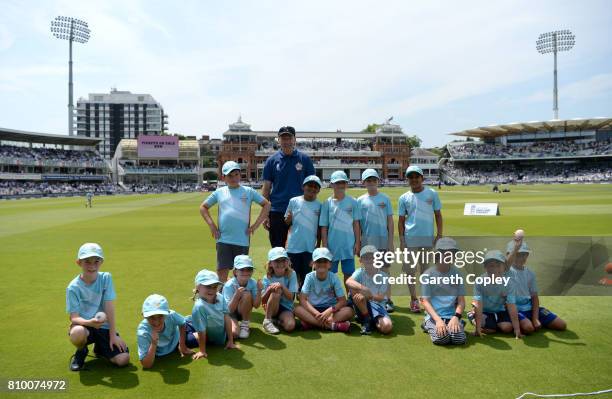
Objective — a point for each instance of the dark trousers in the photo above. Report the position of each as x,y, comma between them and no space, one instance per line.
278,229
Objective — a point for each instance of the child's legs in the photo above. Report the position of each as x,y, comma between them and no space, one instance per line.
348,268
384,324
343,314
191,336
287,320
272,304
235,327
430,327
245,305
505,327
300,262
101,338
526,326
304,315
551,320
78,336
223,273
361,303
225,258
457,338
410,271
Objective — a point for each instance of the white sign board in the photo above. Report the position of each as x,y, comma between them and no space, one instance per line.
481,209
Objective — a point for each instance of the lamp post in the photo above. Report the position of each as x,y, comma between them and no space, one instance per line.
73,30
554,42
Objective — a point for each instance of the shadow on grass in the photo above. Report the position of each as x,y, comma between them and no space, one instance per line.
541,339
169,368
234,358
258,339
492,340
103,372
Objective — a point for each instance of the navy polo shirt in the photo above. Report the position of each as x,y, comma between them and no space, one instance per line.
287,173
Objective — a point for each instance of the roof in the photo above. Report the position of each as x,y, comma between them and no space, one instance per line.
316,135
555,125
421,152
46,138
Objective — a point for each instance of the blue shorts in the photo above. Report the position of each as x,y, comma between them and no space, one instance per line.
100,337
544,315
348,266
321,309
493,318
190,339
375,311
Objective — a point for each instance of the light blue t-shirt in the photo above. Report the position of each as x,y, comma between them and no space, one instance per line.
234,212
362,277
494,297
168,337
338,217
290,282
375,209
304,224
88,299
443,297
210,318
525,285
230,287
322,293
419,212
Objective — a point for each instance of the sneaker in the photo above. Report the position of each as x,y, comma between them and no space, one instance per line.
366,327
389,306
244,329
269,326
343,326
415,307
423,327
78,359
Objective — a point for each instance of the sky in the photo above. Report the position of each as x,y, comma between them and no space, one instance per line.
437,67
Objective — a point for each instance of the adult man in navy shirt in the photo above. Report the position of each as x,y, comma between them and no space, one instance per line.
283,175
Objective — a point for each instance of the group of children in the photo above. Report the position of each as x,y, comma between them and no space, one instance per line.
344,227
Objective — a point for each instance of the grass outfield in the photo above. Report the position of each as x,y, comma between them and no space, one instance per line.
156,243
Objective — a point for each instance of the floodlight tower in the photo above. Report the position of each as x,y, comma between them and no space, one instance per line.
76,30
554,42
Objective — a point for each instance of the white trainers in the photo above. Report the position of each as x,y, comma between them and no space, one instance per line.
244,329
269,326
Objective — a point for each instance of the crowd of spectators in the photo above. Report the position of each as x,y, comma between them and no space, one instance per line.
477,150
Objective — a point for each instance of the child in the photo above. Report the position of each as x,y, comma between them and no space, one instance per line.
369,288
87,294
322,301
279,288
162,331
527,299
210,314
417,209
444,303
495,303
303,216
376,220
235,227
339,223
242,293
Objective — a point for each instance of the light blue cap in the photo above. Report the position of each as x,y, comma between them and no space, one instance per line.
155,304
242,262
446,244
277,253
228,167
338,176
415,169
369,173
368,249
206,277
523,249
322,253
312,178
90,249
494,255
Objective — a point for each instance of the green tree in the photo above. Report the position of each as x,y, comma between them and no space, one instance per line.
414,141
371,128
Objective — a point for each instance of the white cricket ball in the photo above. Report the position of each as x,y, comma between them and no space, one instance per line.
520,233
100,316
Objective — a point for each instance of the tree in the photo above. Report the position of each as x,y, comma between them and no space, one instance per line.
371,128
414,141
